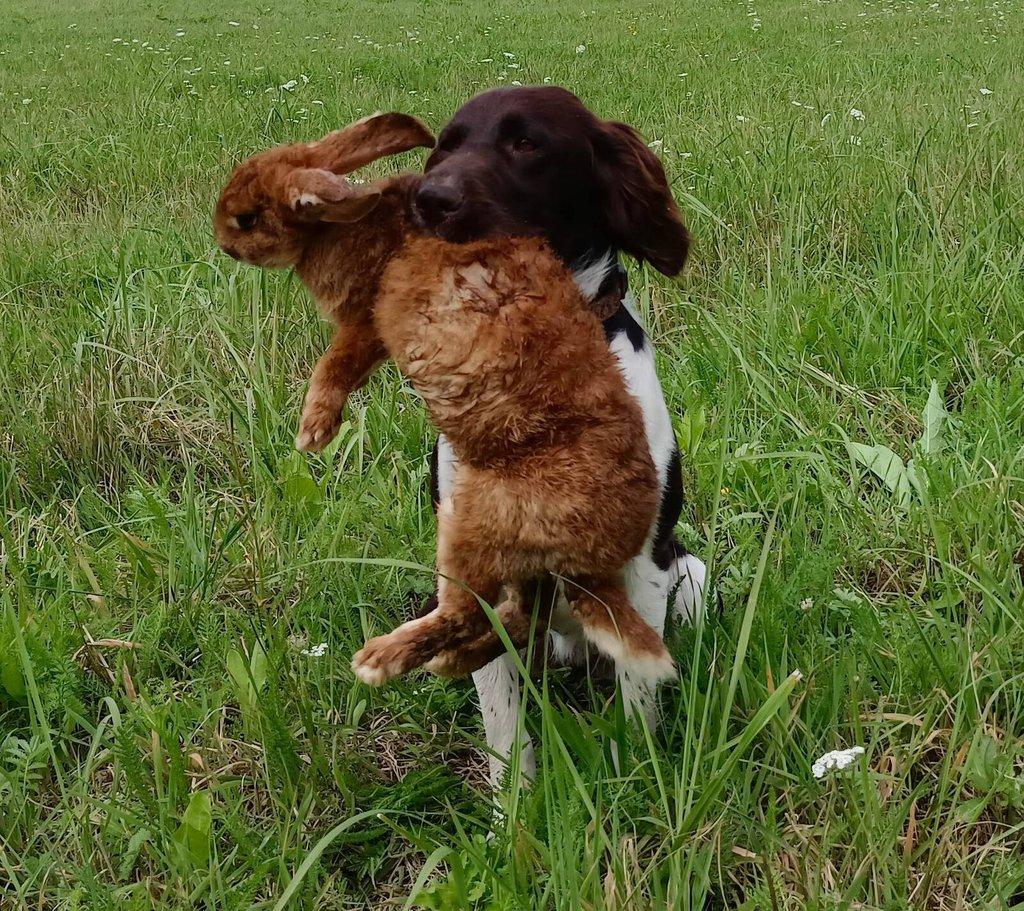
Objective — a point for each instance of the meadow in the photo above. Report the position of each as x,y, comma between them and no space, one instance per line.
181,592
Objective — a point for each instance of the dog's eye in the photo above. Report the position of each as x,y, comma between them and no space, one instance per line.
246,221
523,146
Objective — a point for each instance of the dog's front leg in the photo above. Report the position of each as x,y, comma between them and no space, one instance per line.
497,686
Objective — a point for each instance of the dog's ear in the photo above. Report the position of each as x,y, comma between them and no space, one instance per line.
368,139
642,216
320,195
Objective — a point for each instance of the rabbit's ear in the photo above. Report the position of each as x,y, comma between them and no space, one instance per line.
322,196
368,139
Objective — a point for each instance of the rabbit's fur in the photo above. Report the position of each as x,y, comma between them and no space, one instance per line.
291,207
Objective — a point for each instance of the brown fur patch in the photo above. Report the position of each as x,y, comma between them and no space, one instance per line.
554,475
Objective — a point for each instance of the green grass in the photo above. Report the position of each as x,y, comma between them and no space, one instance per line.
149,394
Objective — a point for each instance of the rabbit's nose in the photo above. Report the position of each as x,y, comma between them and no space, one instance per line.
436,202
232,252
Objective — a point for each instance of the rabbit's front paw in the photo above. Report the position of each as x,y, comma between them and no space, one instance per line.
321,418
380,659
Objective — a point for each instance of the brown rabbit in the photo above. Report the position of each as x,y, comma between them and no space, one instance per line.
554,472
280,209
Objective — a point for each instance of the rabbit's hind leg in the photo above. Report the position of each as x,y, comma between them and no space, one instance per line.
615,629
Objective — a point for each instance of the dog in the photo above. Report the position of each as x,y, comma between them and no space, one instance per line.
535,161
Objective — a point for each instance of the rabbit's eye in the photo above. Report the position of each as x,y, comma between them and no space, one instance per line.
246,221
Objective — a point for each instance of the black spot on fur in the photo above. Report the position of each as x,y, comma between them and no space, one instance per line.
622,321
665,548
435,491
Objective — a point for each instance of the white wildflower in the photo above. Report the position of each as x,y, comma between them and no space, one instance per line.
740,118
807,604
855,140
836,760
26,100
233,24
316,651
289,85
507,54
655,144
985,91
856,114
580,48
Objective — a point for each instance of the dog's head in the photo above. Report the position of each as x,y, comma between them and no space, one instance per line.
535,160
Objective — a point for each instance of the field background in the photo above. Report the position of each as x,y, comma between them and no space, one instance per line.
852,175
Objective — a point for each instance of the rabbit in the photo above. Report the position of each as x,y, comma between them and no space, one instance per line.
279,210
554,472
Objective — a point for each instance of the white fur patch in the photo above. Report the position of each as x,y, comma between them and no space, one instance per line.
650,667
497,685
446,465
589,278
370,674
647,588
641,377
690,572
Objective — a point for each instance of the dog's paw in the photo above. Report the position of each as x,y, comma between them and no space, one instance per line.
378,661
321,418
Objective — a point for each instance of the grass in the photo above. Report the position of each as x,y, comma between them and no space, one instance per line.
166,557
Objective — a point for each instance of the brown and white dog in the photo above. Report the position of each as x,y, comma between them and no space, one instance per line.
535,161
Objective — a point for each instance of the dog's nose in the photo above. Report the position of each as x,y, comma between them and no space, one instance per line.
435,202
